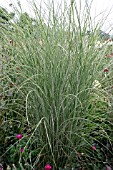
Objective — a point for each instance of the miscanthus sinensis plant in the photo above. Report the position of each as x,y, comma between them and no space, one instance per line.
50,95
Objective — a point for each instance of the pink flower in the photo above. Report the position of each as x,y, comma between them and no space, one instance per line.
1,168
11,84
106,70
108,167
93,147
19,136
21,150
108,56
48,167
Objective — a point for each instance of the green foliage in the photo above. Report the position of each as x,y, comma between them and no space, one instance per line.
48,93
5,16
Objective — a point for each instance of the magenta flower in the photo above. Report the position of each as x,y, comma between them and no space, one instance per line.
93,147
19,136
21,150
48,167
106,70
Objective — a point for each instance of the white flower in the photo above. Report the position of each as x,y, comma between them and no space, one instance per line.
96,84
98,44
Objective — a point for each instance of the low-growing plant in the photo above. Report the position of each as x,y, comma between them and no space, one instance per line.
55,102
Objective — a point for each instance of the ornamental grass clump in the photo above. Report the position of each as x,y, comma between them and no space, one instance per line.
58,114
